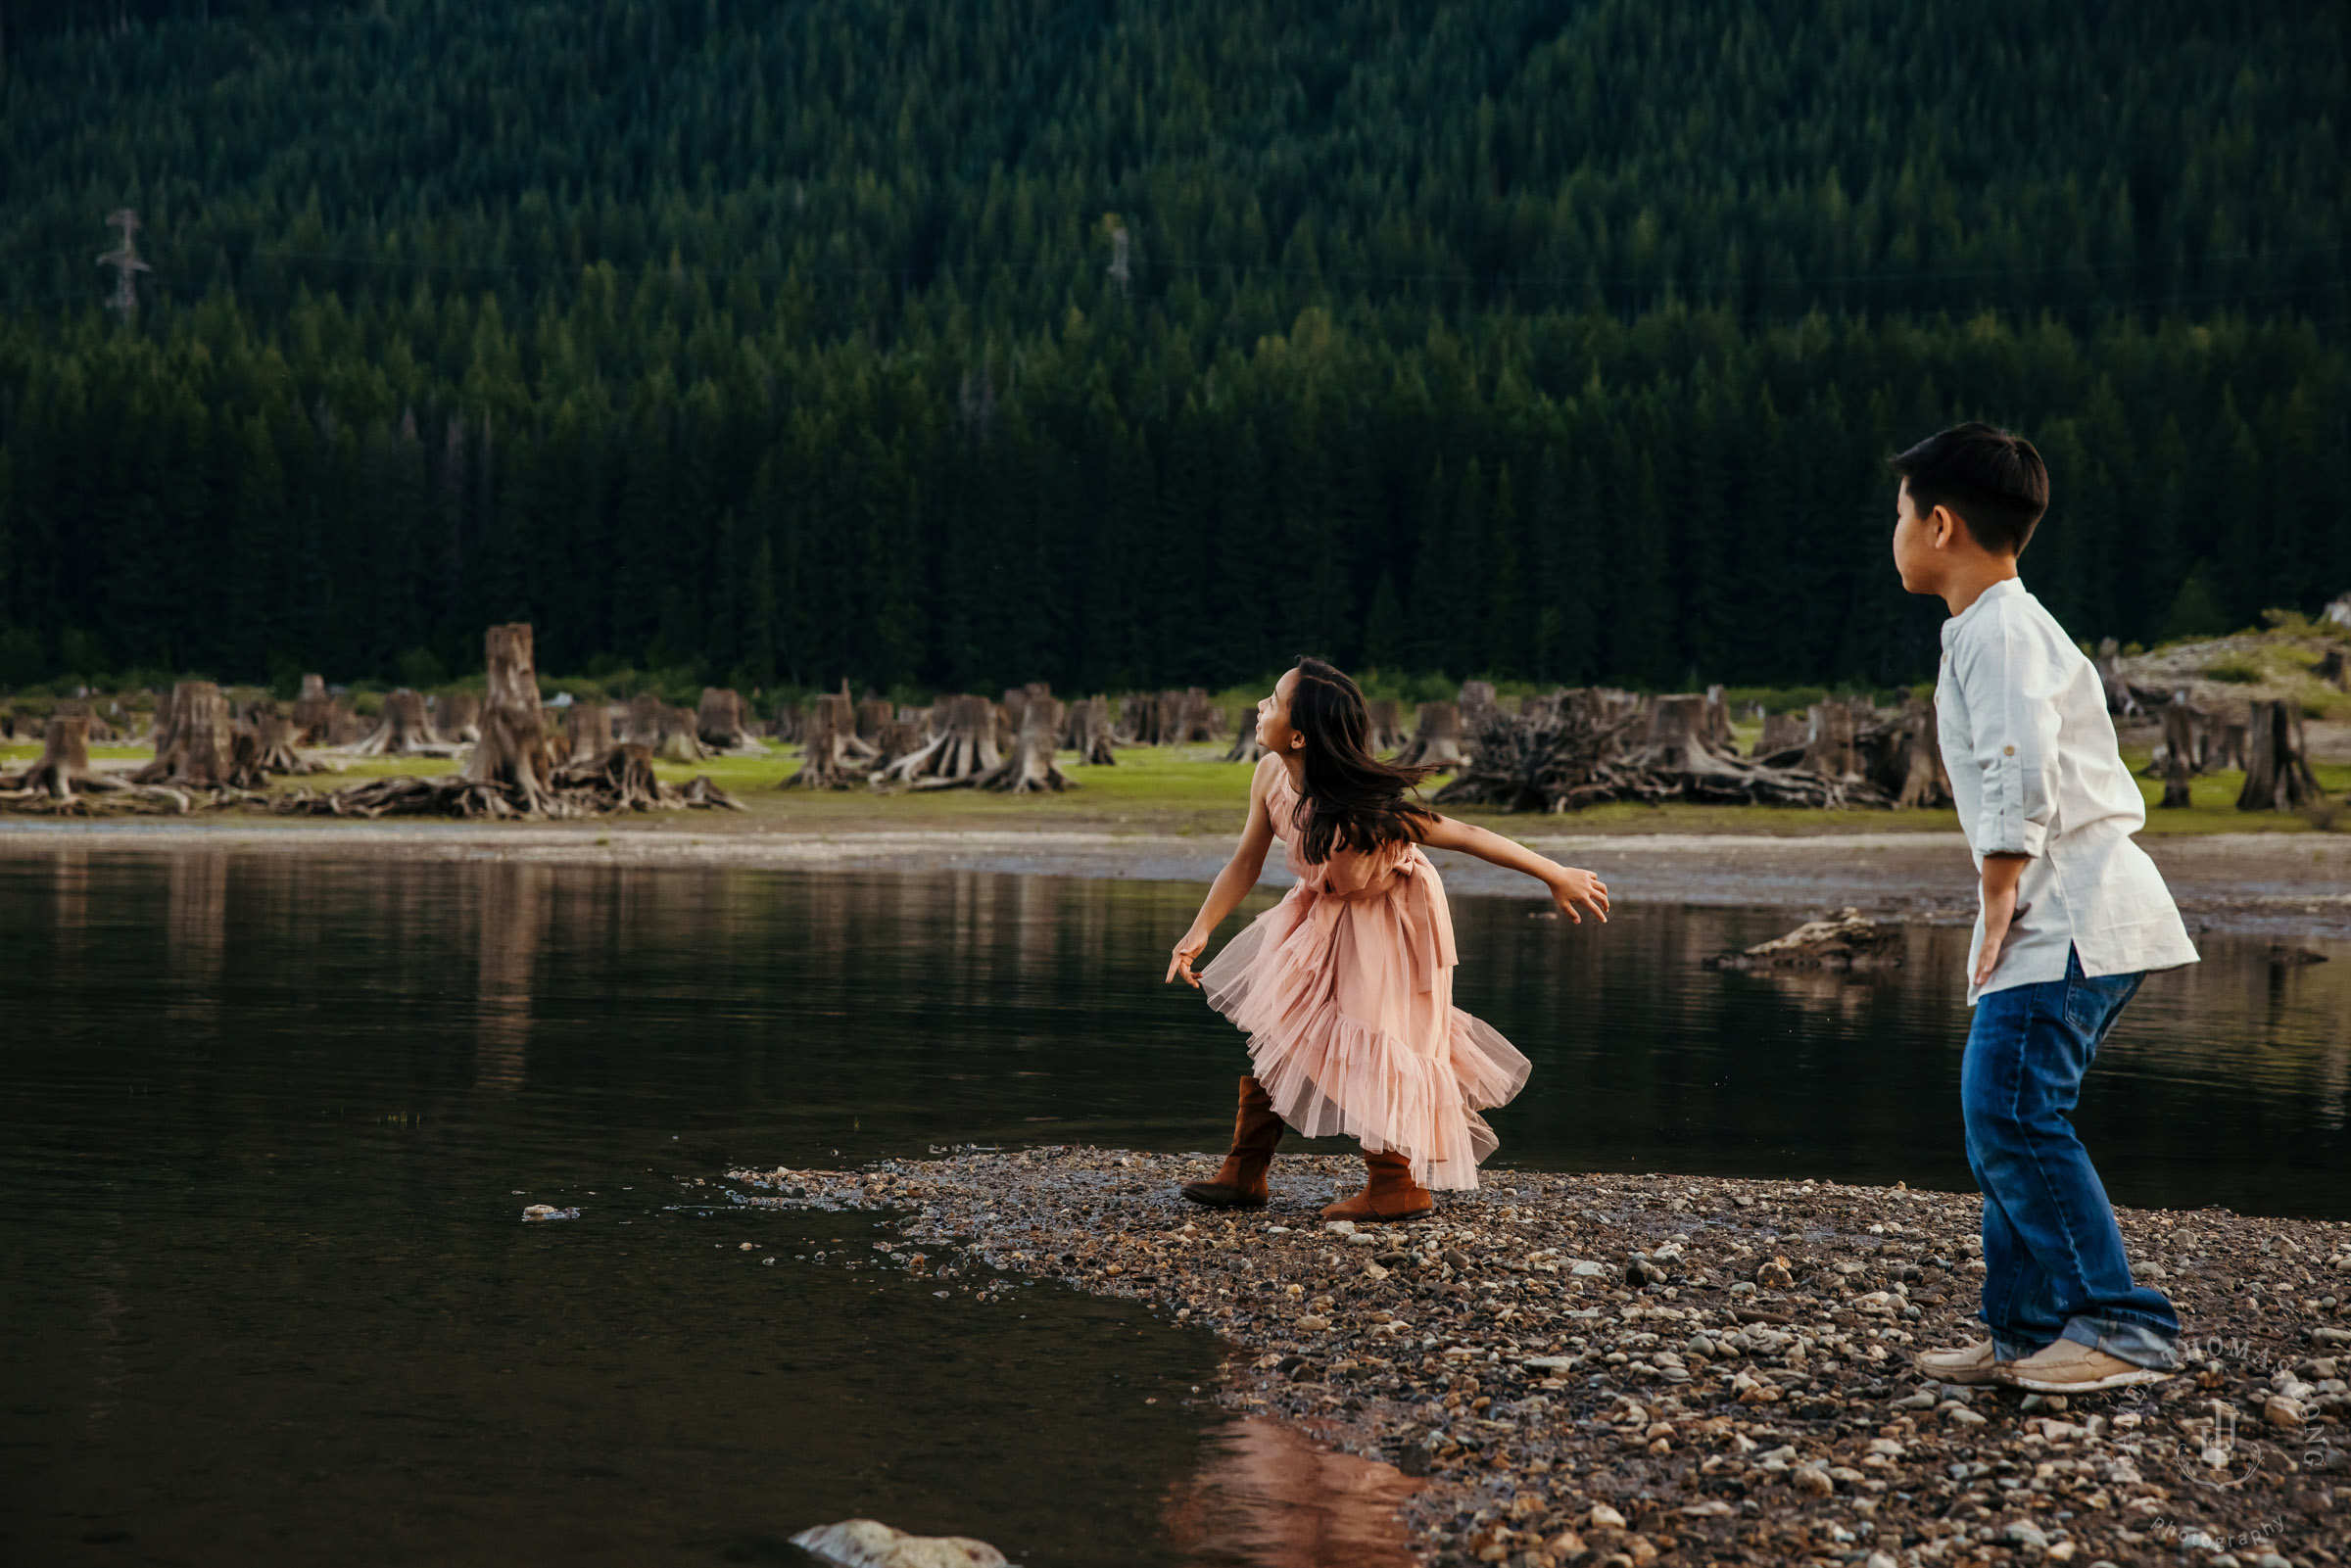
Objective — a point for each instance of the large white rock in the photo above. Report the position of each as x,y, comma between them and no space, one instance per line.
871,1543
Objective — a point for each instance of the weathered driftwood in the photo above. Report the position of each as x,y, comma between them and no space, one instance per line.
1030,766
404,731
961,748
1437,737
833,757
2278,771
1846,940
314,713
511,752
1087,732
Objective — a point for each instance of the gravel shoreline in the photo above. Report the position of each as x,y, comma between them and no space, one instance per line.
2255,885
1610,1370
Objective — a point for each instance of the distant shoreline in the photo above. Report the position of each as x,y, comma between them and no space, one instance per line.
2295,885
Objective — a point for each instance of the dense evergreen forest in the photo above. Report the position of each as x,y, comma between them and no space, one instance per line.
1114,343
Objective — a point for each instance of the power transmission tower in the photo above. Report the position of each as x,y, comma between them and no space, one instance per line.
125,260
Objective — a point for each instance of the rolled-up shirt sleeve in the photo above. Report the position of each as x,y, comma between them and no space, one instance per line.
2010,686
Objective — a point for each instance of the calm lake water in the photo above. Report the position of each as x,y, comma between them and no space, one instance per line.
267,1126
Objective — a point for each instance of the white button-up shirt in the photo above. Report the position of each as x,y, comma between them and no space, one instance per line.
2034,771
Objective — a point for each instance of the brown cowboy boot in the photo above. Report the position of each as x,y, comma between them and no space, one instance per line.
1240,1182
1390,1194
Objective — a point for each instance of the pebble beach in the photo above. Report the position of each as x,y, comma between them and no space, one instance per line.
1613,1370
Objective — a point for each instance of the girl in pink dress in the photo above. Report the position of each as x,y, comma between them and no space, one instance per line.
1345,988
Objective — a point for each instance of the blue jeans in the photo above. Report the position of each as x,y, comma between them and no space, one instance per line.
2053,1263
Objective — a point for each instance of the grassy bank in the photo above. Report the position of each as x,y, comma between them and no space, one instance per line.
1190,790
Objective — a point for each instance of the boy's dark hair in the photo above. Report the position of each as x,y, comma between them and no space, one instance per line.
1991,479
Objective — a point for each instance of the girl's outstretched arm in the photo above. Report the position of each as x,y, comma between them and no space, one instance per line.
1570,886
1233,882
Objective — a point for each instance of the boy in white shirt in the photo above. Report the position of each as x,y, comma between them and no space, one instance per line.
2073,917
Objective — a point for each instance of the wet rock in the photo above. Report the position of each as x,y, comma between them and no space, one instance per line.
540,1212
1846,940
870,1543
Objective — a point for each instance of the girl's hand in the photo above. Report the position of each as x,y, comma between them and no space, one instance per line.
1574,887
1179,963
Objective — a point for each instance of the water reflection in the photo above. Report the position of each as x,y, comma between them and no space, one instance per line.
266,1259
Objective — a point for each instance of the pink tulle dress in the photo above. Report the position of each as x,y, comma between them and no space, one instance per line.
1345,990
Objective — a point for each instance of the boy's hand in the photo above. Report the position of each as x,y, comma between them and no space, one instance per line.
1179,963
1574,887
2001,874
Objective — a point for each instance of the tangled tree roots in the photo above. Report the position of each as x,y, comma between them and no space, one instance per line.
1088,733
405,730
1588,748
1031,766
832,756
961,749
620,779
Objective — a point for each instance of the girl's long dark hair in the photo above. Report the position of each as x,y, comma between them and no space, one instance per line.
1353,800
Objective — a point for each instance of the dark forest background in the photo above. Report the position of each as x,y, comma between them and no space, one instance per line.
1122,344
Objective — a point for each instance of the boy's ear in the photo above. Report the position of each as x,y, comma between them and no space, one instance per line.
1947,529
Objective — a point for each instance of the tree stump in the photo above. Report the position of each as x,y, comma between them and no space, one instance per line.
1139,719
875,717
722,721
2178,750
199,751
1088,733
1900,754
1477,705
403,732
1244,746
264,745
458,716
1719,724
2277,772
2334,668
1436,740
1829,742
1189,718
1783,739
1030,766
1678,741
1387,725
314,713
832,758
962,746
63,766
513,750
587,728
